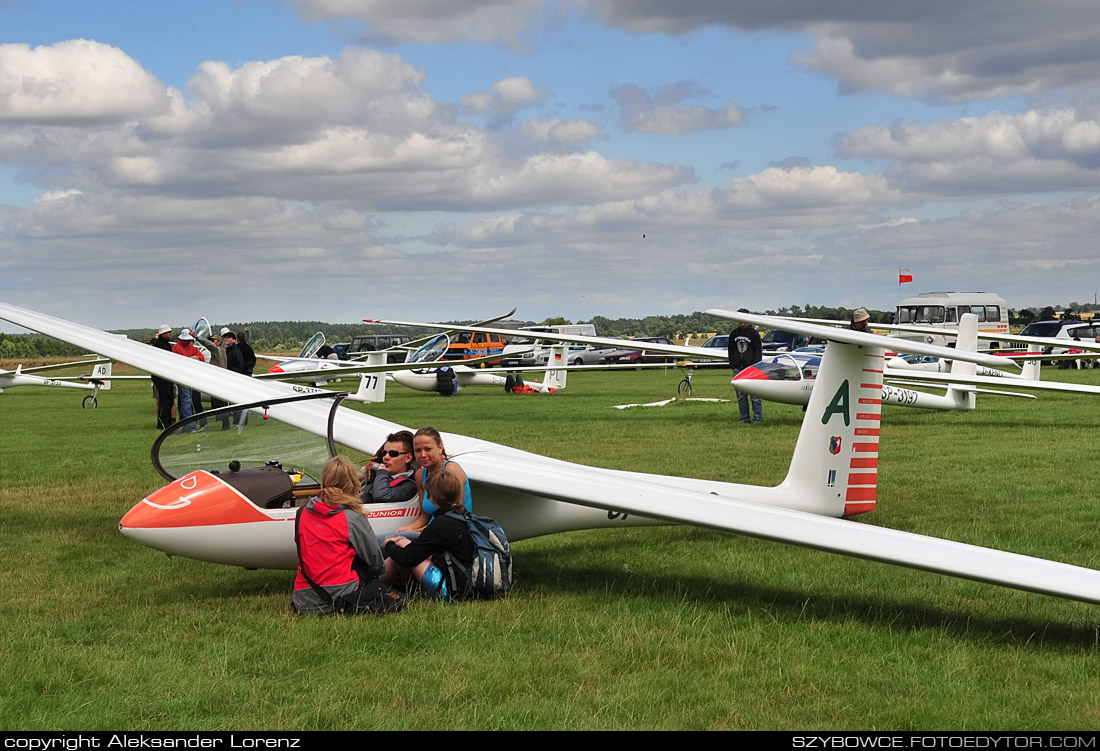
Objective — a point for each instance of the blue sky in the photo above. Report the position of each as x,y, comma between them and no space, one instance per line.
341,159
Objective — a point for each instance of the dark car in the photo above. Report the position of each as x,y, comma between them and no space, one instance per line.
630,355
378,342
1049,328
778,340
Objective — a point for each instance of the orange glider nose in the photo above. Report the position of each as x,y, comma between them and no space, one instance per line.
197,499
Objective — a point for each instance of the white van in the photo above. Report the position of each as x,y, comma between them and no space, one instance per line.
941,310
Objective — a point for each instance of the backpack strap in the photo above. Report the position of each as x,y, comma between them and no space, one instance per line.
324,595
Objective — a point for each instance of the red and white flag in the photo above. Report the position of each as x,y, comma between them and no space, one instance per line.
904,275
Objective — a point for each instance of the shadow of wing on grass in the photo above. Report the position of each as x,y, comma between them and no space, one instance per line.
571,568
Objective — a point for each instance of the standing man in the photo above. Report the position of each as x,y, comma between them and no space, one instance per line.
861,320
217,358
745,349
247,354
186,347
234,362
164,392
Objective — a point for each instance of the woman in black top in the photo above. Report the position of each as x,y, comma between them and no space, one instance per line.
426,557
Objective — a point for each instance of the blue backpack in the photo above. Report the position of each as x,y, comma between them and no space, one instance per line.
490,576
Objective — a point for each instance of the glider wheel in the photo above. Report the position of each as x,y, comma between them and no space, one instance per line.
90,400
684,387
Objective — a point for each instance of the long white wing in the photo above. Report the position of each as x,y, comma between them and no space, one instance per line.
79,363
510,483
1017,383
708,353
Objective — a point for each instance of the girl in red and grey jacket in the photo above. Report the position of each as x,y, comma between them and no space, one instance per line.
339,560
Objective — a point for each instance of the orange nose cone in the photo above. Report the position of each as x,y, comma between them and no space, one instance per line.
197,499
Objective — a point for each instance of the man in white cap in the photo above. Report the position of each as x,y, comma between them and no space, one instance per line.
164,391
186,347
861,320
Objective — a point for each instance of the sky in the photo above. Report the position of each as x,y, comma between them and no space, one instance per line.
334,160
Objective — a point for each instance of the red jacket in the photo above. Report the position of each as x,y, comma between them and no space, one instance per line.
339,551
187,348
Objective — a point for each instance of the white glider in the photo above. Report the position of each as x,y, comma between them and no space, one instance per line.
833,473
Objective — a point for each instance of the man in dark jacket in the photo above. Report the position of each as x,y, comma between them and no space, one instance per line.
745,349
164,391
247,353
234,362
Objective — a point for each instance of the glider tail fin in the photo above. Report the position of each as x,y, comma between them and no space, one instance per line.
966,341
1032,370
372,386
554,377
834,470
102,371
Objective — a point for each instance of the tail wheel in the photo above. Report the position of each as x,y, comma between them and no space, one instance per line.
90,400
685,387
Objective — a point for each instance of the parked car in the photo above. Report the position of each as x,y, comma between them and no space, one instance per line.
778,340
720,342
466,346
1085,331
579,356
377,342
1049,328
632,354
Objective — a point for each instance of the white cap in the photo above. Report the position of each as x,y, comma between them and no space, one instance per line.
163,329
185,335
225,330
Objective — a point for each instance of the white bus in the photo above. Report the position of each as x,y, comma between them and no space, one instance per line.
941,310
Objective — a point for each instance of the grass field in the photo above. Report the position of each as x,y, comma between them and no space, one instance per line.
651,628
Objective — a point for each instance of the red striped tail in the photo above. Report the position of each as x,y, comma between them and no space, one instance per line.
834,470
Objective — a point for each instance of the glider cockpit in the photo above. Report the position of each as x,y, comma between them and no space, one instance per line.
234,483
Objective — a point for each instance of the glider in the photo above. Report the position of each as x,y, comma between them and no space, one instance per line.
100,378
833,473
789,377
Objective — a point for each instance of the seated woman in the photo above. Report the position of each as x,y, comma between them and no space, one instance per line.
432,457
339,560
445,537
389,477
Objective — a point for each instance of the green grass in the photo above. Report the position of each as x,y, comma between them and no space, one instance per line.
666,628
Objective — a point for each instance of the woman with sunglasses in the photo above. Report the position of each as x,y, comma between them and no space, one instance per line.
389,477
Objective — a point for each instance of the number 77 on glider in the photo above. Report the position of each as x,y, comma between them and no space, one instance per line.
833,473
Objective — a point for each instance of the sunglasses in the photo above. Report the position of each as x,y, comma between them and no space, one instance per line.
393,454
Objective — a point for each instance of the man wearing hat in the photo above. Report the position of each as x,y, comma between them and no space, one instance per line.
186,347
861,320
216,345
164,392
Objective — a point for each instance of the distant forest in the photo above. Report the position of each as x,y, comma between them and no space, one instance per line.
289,336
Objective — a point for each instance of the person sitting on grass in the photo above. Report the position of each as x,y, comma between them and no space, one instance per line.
339,560
425,557
432,457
